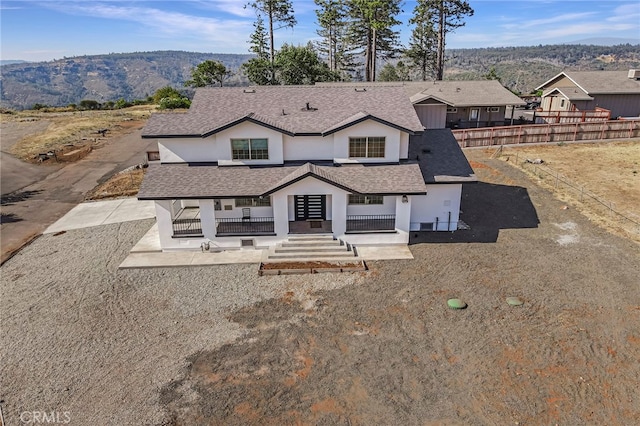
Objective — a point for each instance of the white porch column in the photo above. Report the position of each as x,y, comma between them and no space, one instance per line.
280,214
339,212
208,218
403,214
165,222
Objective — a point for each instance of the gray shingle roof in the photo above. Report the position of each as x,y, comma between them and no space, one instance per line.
595,82
440,158
453,93
284,108
571,93
178,181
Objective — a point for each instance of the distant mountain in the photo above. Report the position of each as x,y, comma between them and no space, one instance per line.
521,69
138,75
11,61
104,77
607,41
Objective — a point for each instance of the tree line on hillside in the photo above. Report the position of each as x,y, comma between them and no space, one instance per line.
348,30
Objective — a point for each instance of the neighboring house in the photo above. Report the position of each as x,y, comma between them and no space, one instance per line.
457,104
616,91
249,166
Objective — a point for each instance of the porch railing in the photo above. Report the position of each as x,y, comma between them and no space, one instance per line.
183,227
239,226
371,223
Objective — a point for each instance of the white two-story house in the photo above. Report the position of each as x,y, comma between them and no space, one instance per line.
250,166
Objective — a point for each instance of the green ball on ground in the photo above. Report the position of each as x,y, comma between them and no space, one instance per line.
515,301
456,304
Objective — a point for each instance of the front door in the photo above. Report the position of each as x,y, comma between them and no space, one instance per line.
310,206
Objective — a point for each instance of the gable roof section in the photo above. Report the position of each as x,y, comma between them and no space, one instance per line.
571,93
294,110
597,82
184,181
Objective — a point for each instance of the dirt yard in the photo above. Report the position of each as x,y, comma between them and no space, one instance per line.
220,345
69,131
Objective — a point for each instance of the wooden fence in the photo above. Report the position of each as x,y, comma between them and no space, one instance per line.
556,117
548,133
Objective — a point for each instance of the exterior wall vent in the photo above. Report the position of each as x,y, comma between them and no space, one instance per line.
246,243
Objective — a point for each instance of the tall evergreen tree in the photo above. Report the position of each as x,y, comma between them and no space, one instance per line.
371,30
448,15
422,51
260,70
332,19
279,14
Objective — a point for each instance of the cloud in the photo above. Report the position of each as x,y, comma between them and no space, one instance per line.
232,7
229,33
627,12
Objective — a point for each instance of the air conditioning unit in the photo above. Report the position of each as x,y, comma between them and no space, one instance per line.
634,74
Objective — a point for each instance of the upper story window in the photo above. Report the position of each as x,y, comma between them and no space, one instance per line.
365,199
367,147
250,149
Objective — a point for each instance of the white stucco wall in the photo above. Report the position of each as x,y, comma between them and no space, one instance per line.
404,145
439,201
389,207
184,150
367,128
308,147
237,211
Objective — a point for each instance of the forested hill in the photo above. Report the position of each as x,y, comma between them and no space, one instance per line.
523,68
138,75
104,77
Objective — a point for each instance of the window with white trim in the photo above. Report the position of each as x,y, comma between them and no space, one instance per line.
253,202
367,147
365,199
250,149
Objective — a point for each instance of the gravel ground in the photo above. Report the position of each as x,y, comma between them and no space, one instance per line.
220,345
80,336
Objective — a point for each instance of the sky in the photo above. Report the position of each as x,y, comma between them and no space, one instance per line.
43,30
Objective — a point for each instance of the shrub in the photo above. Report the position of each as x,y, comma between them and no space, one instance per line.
174,102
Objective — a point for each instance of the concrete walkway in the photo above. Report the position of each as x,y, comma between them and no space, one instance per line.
98,213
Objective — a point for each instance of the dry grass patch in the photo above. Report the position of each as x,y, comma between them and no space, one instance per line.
124,184
73,127
610,170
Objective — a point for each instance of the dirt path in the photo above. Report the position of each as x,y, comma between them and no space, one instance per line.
38,195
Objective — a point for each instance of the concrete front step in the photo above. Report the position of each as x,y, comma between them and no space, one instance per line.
310,243
307,248
304,237
303,249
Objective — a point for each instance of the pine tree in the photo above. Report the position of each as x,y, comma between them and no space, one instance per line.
448,16
371,30
278,12
332,15
424,40
259,70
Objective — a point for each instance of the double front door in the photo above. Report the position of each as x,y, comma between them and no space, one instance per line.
310,207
